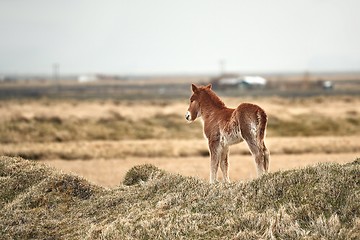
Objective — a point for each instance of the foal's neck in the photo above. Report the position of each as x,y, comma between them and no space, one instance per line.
211,103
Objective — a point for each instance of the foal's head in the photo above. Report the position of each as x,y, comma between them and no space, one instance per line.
194,110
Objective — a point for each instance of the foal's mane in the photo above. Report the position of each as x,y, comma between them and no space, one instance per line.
213,98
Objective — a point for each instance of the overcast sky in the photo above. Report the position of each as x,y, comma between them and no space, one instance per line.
183,36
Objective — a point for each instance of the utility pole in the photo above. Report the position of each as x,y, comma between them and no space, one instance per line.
56,77
222,64
56,72
306,80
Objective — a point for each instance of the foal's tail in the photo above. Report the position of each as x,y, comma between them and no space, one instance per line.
266,158
262,117
262,121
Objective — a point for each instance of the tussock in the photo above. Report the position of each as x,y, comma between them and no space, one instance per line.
319,202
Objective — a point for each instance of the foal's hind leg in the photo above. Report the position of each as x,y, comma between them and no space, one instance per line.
261,159
224,164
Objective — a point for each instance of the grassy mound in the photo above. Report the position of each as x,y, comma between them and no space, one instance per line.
312,203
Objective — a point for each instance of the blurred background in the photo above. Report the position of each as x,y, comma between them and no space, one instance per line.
95,87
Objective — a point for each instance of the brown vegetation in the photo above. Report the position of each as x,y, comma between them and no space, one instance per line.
36,202
156,132
319,202
63,121
69,129
107,172
154,148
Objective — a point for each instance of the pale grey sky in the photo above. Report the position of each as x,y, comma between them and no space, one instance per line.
167,36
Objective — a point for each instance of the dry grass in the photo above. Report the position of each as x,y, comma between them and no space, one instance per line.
130,132
112,136
110,172
151,148
319,202
283,108
70,120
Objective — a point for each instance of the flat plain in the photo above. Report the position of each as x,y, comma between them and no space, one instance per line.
122,169
102,139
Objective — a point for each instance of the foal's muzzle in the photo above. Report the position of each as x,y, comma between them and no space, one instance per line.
188,116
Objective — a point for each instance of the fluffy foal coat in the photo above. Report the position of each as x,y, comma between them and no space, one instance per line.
226,126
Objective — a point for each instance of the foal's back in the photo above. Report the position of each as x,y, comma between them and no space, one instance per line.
252,120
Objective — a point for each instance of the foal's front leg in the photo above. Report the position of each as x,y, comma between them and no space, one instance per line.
224,164
215,156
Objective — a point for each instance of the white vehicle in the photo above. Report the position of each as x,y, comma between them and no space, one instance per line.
242,82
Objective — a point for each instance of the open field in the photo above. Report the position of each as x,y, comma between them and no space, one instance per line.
110,172
105,162
316,202
64,121
165,148
102,139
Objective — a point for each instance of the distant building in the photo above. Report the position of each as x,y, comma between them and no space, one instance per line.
243,82
87,78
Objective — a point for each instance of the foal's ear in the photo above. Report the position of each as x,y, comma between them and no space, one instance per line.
194,87
208,86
